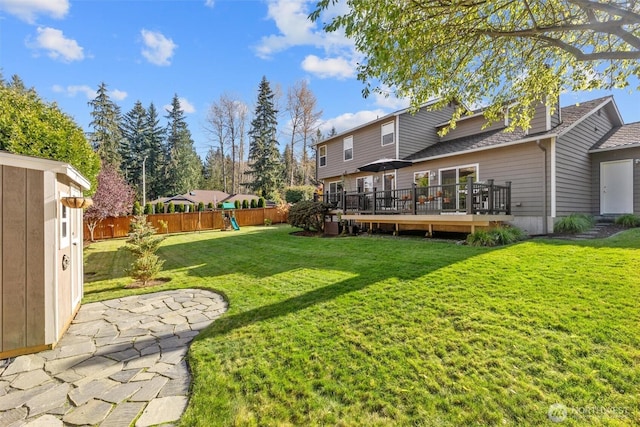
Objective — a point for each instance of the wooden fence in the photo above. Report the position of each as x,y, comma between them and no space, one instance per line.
114,227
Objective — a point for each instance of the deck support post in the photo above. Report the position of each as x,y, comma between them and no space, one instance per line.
470,197
490,198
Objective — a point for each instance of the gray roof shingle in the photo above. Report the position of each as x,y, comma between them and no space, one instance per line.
620,137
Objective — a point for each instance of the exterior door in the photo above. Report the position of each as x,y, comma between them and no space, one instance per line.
616,187
76,257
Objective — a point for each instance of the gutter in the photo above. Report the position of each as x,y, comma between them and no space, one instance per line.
545,227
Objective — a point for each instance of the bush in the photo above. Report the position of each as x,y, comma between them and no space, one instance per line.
261,202
573,224
628,220
299,193
219,205
200,206
496,236
143,243
253,204
267,221
481,238
137,209
159,207
171,208
148,209
210,206
245,204
308,215
238,204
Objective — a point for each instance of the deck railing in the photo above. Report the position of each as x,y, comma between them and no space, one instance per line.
461,198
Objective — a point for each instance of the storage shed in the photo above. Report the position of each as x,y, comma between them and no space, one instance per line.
41,283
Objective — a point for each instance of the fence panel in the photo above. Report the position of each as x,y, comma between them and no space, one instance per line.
114,227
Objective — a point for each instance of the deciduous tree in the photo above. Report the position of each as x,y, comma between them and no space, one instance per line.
490,51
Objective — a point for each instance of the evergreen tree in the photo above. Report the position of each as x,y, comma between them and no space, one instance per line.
106,137
157,154
265,167
184,167
135,133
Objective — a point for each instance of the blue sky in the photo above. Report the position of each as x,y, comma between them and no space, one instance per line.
149,50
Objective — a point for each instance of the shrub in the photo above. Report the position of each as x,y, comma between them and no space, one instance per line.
253,204
148,209
308,215
137,209
299,193
193,207
210,206
261,202
200,206
628,220
171,208
164,225
481,238
574,223
267,222
143,244
219,205
238,204
159,207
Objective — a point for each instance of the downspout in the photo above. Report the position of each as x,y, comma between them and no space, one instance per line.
544,189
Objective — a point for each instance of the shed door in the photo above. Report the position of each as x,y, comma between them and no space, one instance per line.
616,187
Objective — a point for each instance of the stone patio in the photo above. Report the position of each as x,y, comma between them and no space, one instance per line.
121,362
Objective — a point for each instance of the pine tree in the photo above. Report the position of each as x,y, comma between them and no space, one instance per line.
136,133
157,152
184,167
106,137
265,167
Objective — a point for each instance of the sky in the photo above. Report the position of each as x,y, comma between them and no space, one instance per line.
151,50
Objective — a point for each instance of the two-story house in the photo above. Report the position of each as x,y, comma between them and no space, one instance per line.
580,158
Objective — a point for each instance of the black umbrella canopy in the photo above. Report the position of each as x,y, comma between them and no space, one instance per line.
385,165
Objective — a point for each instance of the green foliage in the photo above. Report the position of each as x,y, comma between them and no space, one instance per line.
143,244
201,207
164,225
219,205
573,224
298,193
496,236
308,215
106,136
238,204
489,52
171,208
261,202
245,204
253,204
33,127
628,220
137,209
148,208
210,205
267,222
159,207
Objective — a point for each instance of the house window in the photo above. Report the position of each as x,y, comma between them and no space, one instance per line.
421,179
64,226
388,133
322,155
335,187
348,148
364,184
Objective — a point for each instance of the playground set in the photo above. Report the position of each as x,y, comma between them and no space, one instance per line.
229,216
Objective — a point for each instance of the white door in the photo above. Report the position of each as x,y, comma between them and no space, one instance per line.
616,187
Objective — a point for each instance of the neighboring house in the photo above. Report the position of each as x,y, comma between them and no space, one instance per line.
41,283
205,196
580,158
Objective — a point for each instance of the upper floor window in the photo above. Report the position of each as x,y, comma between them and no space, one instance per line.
348,148
388,133
322,155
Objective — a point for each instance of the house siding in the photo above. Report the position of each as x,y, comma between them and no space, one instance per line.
471,126
573,165
367,147
608,156
418,131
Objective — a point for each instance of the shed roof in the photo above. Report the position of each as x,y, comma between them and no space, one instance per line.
39,163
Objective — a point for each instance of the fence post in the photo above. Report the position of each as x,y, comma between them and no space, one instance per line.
469,198
490,199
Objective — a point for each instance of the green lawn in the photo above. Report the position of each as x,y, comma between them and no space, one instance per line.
392,331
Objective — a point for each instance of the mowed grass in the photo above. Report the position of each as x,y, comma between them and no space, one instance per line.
368,331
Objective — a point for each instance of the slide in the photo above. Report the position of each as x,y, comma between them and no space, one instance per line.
234,224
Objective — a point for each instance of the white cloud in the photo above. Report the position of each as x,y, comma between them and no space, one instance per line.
350,120
27,10
88,92
57,45
387,99
158,49
185,105
340,68
209,3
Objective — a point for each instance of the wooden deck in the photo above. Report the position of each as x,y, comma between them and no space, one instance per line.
461,223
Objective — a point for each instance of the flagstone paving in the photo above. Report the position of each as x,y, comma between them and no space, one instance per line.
120,363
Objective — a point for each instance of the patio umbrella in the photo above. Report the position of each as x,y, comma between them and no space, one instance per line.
385,165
